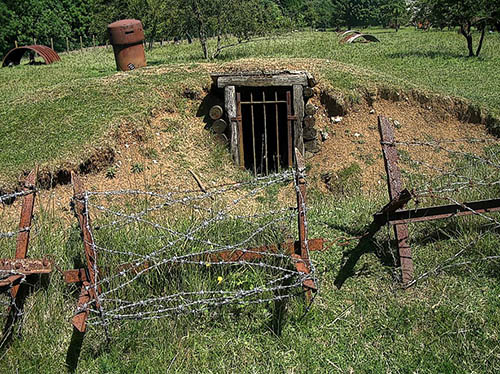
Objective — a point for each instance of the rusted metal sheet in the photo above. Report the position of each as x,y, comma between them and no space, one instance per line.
15,55
79,320
75,276
395,185
126,37
302,267
440,212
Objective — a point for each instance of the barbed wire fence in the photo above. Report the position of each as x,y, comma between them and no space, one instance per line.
157,255
447,178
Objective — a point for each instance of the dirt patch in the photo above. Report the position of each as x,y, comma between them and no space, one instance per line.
356,140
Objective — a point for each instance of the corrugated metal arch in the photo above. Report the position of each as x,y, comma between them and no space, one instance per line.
15,55
345,33
352,38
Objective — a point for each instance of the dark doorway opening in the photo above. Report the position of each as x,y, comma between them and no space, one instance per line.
265,128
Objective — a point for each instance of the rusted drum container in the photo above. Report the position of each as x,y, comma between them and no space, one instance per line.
126,37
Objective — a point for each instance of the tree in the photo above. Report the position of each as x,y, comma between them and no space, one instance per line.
352,13
394,13
465,14
224,19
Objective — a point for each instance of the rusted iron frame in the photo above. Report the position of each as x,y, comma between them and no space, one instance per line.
22,267
89,291
23,237
439,212
250,254
395,186
15,55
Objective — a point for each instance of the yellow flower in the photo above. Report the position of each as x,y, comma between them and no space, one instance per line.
208,264
219,279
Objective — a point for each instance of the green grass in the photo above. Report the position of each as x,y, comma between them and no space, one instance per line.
447,323
49,114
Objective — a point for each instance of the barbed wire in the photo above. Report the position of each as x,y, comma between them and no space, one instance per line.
121,294
12,234
15,195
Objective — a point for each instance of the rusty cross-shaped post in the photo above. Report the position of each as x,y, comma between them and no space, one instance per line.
395,185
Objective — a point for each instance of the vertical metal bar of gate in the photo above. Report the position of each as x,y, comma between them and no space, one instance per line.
265,132
289,127
253,135
278,161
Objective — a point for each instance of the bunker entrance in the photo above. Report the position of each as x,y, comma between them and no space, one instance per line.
265,128
266,117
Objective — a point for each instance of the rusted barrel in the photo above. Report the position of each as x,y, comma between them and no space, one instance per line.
126,37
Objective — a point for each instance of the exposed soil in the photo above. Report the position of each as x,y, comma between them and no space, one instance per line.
356,138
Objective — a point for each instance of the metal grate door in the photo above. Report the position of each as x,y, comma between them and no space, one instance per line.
265,131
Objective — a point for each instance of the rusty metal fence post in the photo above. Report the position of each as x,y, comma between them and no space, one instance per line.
89,290
301,254
23,237
395,185
20,264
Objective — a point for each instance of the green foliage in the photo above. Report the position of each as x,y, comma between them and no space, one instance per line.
42,20
464,14
137,168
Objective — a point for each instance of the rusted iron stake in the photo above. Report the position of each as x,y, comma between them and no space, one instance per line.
25,222
395,185
88,290
304,264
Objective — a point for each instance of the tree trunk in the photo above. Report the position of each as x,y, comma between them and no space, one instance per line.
201,30
466,32
483,32
218,48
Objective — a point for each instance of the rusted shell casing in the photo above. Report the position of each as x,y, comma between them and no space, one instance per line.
126,37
